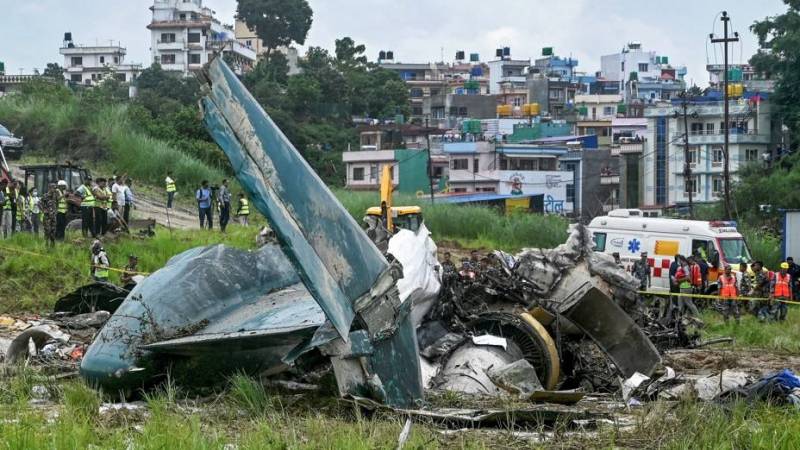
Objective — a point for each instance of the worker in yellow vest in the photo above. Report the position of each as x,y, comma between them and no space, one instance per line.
6,218
61,210
171,189
102,197
100,263
87,208
780,292
729,292
243,212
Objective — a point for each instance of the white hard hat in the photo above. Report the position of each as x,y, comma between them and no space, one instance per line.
62,183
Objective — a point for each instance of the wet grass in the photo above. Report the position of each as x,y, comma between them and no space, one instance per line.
34,276
782,337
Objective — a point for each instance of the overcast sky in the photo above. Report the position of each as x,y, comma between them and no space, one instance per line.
31,31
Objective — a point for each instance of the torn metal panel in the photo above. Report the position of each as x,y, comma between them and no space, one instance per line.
216,307
334,257
613,330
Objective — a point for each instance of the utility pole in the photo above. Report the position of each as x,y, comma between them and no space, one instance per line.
725,40
430,161
687,166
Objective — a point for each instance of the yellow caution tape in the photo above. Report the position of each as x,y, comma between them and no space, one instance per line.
714,297
26,252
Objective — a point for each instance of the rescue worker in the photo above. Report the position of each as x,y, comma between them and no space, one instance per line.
702,263
87,208
61,210
35,210
794,272
729,293
760,288
641,271
683,278
130,271
171,189
780,292
12,192
203,197
224,202
22,211
100,263
50,207
744,284
103,200
696,275
243,211
5,210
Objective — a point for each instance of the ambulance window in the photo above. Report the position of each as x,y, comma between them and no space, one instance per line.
702,247
599,242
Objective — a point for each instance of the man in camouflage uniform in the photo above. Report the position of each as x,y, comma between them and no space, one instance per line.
49,210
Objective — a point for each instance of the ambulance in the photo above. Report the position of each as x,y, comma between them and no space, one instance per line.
627,232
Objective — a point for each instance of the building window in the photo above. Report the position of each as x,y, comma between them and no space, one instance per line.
183,16
642,67
608,111
717,156
697,128
436,91
120,77
462,112
167,38
358,174
459,190
709,128
459,164
416,111
116,60
717,185
76,61
168,59
475,165
570,193
692,185
102,60
751,154
194,58
75,78
555,94
415,93
87,82
194,38
693,155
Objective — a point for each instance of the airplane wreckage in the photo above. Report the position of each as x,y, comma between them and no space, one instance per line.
390,325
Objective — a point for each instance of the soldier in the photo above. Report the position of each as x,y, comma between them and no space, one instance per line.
50,211
641,271
744,285
760,289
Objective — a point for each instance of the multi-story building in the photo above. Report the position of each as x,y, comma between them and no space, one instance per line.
89,64
593,189
553,83
662,159
739,73
510,169
595,115
404,147
435,80
186,35
507,78
249,38
642,75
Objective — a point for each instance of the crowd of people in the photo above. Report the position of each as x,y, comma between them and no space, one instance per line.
212,200
752,288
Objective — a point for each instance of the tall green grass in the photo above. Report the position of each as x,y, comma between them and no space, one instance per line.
66,129
471,226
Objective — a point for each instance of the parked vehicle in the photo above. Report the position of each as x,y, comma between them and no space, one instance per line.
626,232
12,145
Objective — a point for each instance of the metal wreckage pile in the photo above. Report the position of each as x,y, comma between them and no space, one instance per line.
388,325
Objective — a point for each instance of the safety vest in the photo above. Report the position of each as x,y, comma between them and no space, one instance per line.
697,276
244,209
728,286
685,284
782,283
88,198
62,202
9,199
100,272
171,185
107,202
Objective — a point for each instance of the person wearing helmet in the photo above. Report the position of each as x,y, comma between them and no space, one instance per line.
61,210
100,262
780,293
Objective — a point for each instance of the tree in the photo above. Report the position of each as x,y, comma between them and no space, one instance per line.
779,58
277,23
54,70
695,91
274,68
349,55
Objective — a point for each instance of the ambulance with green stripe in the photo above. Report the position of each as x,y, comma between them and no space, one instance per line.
629,233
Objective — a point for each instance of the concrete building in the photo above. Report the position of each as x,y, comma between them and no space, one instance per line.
438,79
515,169
447,111
642,75
89,64
404,147
185,35
593,189
507,79
662,162
594,115
739,73
247,37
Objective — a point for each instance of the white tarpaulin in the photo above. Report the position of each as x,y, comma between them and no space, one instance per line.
421,281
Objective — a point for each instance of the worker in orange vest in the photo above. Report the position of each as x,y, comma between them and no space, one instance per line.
780,289
729,293
696,276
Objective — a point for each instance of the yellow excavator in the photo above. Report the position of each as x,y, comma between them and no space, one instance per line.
406,217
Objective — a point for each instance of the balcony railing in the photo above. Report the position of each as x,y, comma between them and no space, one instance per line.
737,135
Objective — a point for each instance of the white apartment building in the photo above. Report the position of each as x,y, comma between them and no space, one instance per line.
663,181
186,35
643,75
89,64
